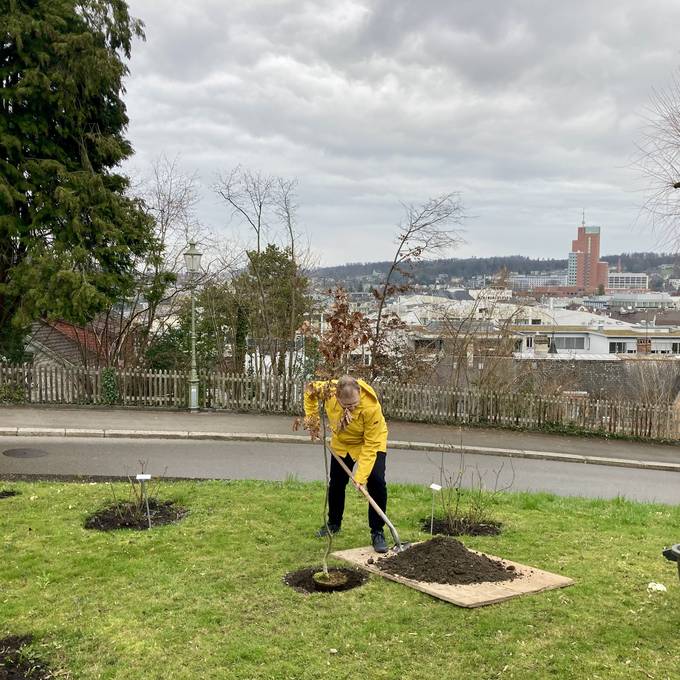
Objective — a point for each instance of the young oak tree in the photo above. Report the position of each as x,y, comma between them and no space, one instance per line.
345,331
69,233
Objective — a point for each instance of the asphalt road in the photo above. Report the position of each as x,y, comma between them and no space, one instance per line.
265,461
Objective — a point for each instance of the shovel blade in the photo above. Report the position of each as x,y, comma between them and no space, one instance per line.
401,547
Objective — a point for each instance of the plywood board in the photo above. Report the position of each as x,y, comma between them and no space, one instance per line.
530,580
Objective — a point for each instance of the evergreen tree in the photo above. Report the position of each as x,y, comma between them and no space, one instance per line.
68,231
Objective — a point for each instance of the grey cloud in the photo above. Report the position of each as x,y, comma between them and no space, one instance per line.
529,109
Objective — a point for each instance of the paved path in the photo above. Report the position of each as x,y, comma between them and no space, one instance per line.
222,423
256,460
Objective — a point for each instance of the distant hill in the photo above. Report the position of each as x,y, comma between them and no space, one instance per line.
428,271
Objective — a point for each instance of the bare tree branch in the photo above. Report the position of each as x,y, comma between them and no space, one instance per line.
427,230
658,159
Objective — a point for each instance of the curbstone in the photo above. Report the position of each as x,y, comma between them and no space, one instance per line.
40,431
215,436
146,434
80,432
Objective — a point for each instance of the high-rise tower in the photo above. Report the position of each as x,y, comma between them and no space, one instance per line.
585,270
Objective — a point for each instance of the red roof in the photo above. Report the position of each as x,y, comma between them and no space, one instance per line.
83,336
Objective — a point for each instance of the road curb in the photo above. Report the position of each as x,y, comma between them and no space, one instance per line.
304,439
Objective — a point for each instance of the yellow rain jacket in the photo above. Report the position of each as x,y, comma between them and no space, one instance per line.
365,435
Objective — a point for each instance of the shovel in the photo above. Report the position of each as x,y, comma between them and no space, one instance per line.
399,546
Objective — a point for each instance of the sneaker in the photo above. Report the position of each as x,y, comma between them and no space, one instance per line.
378,541
670,554
322,533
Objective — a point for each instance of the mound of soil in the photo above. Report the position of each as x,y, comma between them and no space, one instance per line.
460,527
15,664
8,493
302,580
446,560
127,515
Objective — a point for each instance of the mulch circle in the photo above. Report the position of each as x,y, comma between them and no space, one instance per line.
127,515
8,493
460,527
303,581
15,664
446,560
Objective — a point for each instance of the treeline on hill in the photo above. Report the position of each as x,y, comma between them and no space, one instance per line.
466,268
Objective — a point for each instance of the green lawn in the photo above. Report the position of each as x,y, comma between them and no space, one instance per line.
205,599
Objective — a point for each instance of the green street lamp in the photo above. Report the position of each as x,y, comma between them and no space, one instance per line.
192,259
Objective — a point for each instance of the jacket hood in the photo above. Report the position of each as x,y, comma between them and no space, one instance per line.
368,390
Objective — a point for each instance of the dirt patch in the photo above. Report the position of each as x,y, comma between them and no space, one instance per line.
303,581
8,493
460,527
128,515
16,664
446,560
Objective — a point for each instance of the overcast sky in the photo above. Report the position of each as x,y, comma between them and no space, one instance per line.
530,109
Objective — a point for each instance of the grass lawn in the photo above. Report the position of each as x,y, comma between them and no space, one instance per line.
205,599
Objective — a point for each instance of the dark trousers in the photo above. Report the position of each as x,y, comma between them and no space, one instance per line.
375,486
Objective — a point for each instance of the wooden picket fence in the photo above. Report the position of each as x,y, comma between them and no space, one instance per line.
275,394
532,411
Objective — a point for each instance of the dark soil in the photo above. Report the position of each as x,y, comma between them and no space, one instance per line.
127,515
460,527
8,493
303,581
446,560
17,665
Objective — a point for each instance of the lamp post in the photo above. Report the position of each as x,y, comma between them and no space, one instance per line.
192,259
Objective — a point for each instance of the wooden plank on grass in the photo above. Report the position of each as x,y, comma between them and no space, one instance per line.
531,580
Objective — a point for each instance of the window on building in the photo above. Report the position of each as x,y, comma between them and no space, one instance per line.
535,322
530,342
675,348
617,347
570,343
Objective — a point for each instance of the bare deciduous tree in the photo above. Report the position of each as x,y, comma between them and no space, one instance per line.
251,196
267,206
123,332
654,381
658,159
426,231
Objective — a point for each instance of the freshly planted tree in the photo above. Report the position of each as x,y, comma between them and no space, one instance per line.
346,331
69,233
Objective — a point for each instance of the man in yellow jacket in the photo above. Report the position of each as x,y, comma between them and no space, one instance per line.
359,436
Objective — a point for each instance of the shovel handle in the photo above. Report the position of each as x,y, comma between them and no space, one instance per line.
374,505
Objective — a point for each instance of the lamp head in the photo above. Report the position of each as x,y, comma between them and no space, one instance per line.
192,259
